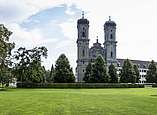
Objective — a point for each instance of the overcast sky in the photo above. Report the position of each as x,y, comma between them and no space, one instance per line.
52,23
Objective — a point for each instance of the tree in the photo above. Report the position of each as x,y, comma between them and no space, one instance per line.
99,72
5,55
46,76
36,72
151,76
88,74
50,74
63,71
127,74
137,73
113,74
28,67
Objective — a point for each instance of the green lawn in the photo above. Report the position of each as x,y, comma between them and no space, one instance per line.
79,101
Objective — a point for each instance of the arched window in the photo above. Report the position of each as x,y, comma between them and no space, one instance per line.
111,54
111,36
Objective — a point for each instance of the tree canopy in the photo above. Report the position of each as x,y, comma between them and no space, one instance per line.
113,74
28,67
63,71
5,54
50,74
151,75
88,73
96,72
137,73
127,74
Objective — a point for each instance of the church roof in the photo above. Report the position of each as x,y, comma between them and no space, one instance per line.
83,20
110,22
139,63
97,45
96,50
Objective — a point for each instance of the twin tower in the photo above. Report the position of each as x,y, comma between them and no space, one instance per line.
86,54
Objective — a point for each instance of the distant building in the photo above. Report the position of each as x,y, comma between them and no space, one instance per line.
142,67
108,51
13,82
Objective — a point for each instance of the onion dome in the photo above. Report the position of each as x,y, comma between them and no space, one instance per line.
110,22
82,20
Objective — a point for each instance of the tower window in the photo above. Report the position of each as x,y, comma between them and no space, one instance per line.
83,53
111,54
83,34
111,36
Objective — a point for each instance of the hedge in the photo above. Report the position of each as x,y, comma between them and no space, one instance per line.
78,85
3,89
154,85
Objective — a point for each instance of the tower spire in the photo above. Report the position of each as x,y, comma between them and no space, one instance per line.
109,18
82,14
97,39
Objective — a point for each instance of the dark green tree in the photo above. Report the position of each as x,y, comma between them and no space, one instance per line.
113,74
99,72
46,76
137,73
5,55
36,72
28,67
50,75
88,74
63,71
151,76
127,74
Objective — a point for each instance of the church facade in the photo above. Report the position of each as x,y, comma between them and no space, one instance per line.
107,51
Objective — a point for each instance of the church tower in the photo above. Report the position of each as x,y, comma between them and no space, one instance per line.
110,42
82,47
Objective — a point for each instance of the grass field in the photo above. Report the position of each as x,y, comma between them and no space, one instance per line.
79,101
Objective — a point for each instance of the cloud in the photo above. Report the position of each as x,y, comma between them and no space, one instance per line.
19,10
14,11
32,38
22,37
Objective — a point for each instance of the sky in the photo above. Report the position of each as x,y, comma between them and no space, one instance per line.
53,24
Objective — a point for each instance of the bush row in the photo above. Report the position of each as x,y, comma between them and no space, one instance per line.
154,85
3,89
77,85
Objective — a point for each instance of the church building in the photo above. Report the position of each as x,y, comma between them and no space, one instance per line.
107,51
